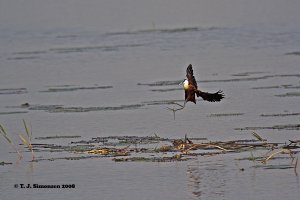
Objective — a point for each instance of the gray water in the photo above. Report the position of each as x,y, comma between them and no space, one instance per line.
110,73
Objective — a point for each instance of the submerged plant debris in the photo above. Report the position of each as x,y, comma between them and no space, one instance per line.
158,149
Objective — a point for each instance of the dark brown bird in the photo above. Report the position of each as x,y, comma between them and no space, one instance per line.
191,89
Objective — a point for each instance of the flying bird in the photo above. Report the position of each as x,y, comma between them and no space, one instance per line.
191,91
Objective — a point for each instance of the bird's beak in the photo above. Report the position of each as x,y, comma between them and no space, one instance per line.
181,83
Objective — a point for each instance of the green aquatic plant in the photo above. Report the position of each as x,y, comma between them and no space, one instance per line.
9,140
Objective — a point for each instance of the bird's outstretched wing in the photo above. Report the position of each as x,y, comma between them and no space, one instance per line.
190,76
212,97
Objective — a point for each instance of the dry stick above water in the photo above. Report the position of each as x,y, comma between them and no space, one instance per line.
287,151
295,167
29,136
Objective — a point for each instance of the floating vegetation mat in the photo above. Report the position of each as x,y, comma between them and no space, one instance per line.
158,149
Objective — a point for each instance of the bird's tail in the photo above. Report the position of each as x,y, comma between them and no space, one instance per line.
212,97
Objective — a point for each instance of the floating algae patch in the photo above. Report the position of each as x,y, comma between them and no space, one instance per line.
278,127
224,114
58,137
123,140
280,115
36,107
5,163
281,166
64,109
162,83
163,30
161,102
79,49
267,87
261,158
251,78
293,53
175,158
89,109
248,73
167,83
277,87
69,89
289,94
13,112
30,52
13,91
66,158
23,58
68,148
166,90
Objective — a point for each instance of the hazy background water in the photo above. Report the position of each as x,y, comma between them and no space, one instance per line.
249,49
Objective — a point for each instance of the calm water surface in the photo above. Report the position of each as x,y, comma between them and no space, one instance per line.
112,82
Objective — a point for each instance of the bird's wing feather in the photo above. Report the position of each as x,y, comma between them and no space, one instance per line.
212,97
190,76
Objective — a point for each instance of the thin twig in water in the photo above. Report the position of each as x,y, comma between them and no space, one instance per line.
204,145
174,110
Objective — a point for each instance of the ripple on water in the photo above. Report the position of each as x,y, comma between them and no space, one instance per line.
13,91
71,88
74,109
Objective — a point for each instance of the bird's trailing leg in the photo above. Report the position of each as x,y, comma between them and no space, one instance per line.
174,110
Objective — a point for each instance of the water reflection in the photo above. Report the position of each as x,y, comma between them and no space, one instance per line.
206,179
194,180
